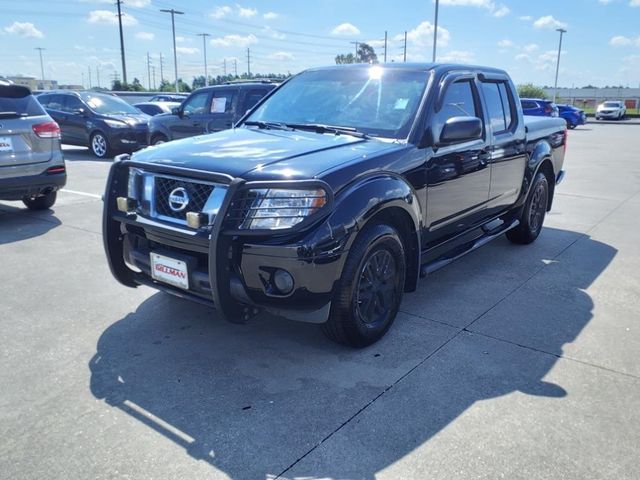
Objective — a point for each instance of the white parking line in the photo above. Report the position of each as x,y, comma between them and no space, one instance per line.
92,195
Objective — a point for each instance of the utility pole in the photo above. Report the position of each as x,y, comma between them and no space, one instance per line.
555,87
82,73
175,53
153,70
385,46
149,70
235,66
161,68
249,62
40,49
89,70
124,65
204,47
405,46
224,65
435,32
98,75
356,44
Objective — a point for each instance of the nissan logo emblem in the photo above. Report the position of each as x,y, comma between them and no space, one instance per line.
178,199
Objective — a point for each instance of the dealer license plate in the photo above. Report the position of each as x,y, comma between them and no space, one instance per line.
169,270
6,145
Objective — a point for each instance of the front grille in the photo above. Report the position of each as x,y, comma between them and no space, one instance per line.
239,209
198,195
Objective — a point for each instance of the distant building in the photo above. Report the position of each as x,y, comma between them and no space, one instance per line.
70,87
34,84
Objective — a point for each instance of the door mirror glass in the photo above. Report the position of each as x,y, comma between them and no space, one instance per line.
176,111
460,129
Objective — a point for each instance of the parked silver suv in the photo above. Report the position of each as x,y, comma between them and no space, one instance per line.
32,167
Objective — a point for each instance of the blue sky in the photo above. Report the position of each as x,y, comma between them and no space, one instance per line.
602,46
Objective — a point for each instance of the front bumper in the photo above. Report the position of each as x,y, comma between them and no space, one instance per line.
608,114
229,271
129,140
17,188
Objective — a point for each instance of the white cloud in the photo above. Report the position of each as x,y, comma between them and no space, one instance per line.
270,16
523,57
530,48
274,33
634,3
501,11
549,22
282,56
457,56
620,41
187,50
497,10
106,16
506,43
246,12
138,3
345,29
24,29
145,36
221,12
422,35
234,40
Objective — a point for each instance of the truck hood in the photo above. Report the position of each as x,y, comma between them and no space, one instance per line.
255,154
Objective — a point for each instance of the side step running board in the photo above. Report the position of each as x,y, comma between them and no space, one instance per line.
431,267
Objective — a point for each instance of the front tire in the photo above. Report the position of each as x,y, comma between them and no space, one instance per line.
533,213
159,139
368,295
99,145
41,202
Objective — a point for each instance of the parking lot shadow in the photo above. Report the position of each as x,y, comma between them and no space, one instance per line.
17,224
252,399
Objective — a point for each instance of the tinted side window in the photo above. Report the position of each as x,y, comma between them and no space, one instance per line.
71,104
55,102
494,106
222,101
252,97
196,104
507,104
459,101
527,105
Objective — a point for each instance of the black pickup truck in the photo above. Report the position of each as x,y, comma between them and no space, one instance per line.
335,194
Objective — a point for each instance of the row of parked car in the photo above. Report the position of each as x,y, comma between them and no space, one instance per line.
609,110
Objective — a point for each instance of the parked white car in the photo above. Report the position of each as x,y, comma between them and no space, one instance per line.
613,110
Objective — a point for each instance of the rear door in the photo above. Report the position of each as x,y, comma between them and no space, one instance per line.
195,113
20,112
223,110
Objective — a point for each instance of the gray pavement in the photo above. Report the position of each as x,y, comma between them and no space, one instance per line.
514,362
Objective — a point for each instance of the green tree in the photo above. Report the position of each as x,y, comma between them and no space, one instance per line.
529,90
345,58
136,86
365,54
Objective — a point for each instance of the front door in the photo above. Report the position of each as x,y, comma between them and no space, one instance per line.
75,121
458,176
194,116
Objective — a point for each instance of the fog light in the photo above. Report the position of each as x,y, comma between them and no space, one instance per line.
283,281
126,204
196,220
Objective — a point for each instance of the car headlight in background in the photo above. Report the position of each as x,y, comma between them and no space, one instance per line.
280,208
116,124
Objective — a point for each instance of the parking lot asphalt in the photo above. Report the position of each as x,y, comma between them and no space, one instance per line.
514,362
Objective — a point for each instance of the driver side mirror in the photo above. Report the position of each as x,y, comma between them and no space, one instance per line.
80,111
177,111
460,129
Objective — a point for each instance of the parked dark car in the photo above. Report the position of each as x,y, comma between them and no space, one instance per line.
207,110
104,123
572,115
539,107
31,164
169,97
156,108
335,194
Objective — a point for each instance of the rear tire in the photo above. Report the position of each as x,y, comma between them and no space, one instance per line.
368,295
533,213
99,145
159,139
41,202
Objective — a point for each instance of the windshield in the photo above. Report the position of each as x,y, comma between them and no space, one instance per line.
376,101
611,104
108,105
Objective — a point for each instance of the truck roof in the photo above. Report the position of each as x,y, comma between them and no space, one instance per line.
424,66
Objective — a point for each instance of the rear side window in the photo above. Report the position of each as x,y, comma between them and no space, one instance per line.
499,104
53,102
458,101
528,105
253,97
14,101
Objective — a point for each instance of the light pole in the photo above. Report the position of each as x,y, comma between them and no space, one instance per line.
555,87
204,47
175,54
40,49
435,32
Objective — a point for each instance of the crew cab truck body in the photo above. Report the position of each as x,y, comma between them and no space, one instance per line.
335,194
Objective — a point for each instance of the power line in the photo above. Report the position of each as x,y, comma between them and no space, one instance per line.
175,53
124,65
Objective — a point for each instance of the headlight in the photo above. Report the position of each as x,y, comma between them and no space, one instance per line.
278,208
116,124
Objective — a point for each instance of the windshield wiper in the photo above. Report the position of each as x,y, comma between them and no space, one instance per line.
12,115
267,125
322,128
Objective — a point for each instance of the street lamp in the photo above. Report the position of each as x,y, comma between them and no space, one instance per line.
435,32
555,87
175,54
